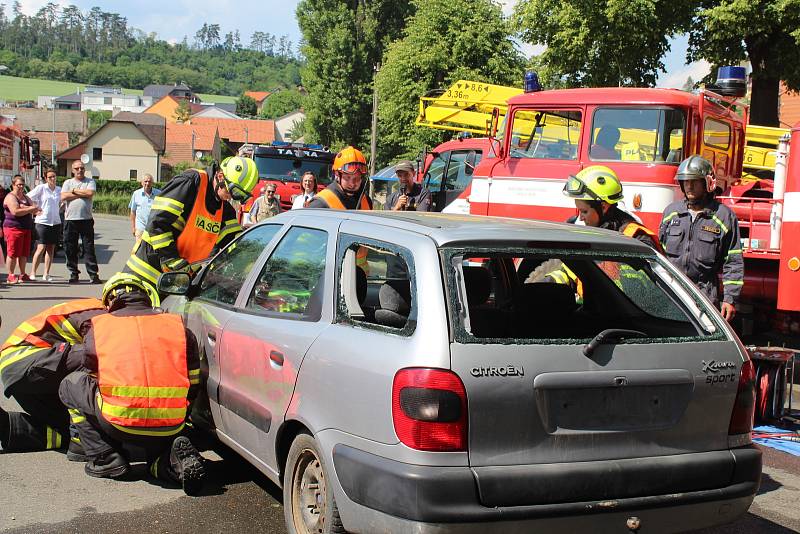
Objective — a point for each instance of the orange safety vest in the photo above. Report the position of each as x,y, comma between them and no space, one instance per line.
202,227
142,375
334,203
632,228
55,316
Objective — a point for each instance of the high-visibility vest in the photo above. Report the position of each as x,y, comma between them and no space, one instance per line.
633,228
142,375
334,203
28,332
202,227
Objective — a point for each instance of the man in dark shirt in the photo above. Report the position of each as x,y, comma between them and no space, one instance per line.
410,196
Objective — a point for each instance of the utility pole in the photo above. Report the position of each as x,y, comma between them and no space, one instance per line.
53,139
373,144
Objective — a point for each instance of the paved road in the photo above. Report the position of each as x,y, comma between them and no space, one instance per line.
43,493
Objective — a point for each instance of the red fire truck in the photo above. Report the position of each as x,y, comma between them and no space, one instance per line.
15,155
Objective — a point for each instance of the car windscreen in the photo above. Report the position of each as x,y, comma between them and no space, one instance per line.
292,169
571,296
645,135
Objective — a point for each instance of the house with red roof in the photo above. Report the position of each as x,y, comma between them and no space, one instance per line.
190,142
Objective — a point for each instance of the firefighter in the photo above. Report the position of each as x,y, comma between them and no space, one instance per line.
347,190
596,191
140,371
192,218
33,360
700,236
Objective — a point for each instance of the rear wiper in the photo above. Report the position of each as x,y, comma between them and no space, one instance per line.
608,336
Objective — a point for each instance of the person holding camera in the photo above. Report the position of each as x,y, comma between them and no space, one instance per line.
410,196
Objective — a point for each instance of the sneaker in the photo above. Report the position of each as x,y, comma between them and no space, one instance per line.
109,465
48,278
95,280
187,465
32,278
74,280
75,452
12,279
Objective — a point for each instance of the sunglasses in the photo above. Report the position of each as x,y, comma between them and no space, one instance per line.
354,167
78,168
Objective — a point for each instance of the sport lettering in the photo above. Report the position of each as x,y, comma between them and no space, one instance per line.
207,225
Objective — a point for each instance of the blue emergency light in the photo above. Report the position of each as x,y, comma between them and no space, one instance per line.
731,81
531,82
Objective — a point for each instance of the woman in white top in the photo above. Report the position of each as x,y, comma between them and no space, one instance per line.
48,223
309,185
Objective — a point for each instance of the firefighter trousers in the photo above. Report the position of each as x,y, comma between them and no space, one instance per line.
42,425
79,392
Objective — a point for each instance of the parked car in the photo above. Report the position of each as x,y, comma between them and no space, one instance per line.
448,384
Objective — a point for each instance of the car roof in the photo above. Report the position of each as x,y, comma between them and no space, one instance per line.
453,229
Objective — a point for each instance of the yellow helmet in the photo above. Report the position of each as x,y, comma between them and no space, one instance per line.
123,282
595,183
350,160
241,174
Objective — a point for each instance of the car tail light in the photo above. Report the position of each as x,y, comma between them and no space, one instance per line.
429,409
744,405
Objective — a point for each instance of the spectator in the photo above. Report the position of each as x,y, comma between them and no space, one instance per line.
265,206
77,192
309,185
17,226
410,196
3,193
48,223
605,144
141,201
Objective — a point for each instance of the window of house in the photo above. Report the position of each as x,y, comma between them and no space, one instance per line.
545,134
292,280
376,286
717,133
134,174
637,135
97,154
224,277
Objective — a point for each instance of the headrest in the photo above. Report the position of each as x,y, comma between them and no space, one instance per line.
395,295
478,283
547,298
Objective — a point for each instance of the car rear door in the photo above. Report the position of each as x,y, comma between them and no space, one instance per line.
282,309
539,404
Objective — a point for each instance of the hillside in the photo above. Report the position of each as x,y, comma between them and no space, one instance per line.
14,88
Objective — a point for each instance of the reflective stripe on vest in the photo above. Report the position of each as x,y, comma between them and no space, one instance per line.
202,227
632,228
142,376
56,316
334,203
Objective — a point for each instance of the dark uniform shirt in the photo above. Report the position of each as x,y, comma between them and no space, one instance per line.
418,200
616,219
167,220
350,202
704,247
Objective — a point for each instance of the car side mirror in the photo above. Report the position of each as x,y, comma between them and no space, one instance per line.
174,283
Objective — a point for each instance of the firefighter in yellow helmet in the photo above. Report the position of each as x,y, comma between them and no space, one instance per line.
597,191
192,218
347,191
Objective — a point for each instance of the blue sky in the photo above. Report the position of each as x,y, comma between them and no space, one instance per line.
174,19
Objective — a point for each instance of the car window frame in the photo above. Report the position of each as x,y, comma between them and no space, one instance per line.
341,315
617,107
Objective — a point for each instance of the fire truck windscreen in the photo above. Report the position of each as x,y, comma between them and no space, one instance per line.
291,169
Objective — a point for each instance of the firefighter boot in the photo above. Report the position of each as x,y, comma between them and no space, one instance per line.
5,428
75,452
108,465
186,465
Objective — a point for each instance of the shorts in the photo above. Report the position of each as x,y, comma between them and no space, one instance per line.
18,242
47,234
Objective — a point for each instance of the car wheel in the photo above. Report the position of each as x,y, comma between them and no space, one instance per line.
308,503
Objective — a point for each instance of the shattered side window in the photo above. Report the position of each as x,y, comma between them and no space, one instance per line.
569,297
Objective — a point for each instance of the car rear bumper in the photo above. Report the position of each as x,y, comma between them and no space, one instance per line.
451,495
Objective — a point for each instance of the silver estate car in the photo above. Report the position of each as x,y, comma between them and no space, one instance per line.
413,372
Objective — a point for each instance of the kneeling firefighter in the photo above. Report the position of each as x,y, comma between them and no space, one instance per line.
140,372
192,218
33,361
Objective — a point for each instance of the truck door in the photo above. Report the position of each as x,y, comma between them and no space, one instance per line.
454,177
718,148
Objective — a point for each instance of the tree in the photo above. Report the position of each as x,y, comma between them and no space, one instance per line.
765,32
97,119
280,103
297,130
688,85
183,112
604,42
446,40
246,106
343,41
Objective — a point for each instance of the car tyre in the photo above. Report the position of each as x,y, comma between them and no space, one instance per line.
308,503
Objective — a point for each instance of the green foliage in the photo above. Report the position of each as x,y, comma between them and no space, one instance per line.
111,203
280,103
765,32
97,119
98,47
298,130
601,43
183,112
246,106
446,40
342,43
